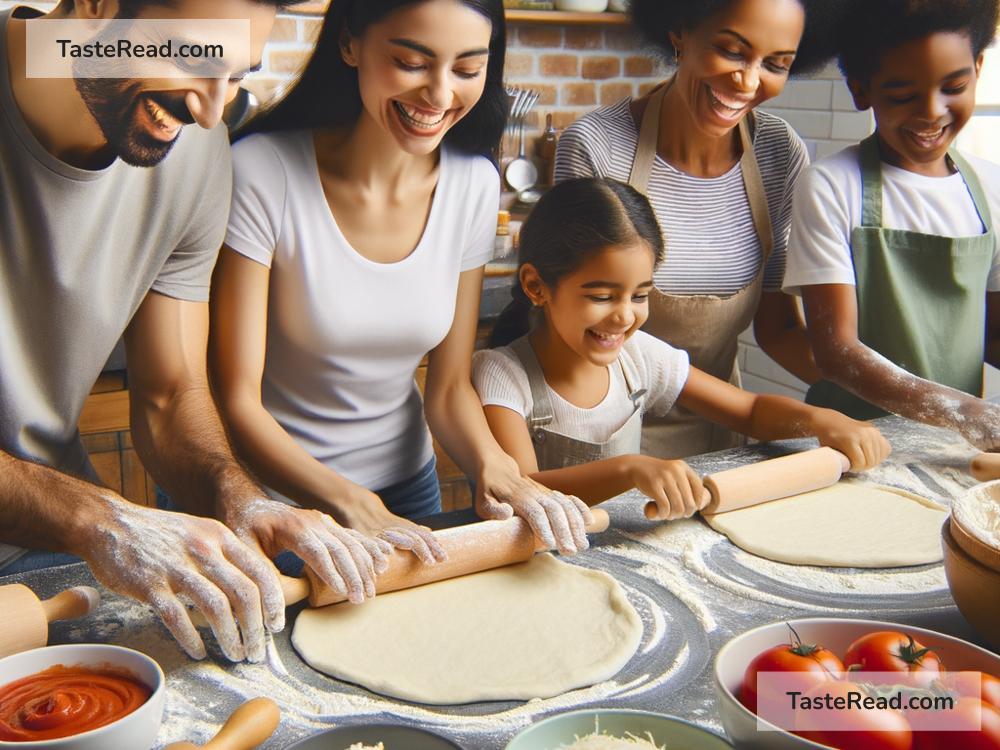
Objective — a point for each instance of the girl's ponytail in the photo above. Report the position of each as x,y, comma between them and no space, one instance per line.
514,320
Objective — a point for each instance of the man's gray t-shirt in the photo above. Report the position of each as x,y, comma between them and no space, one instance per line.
79,250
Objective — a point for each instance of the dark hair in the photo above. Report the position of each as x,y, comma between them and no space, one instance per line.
877,26
327,95
572,223
656,19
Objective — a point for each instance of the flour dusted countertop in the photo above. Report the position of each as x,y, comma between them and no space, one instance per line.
693,589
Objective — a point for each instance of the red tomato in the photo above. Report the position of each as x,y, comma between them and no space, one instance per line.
971,712
857,729
975,685
812,664
888,651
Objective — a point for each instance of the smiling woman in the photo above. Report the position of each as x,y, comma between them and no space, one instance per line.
363,213
720,178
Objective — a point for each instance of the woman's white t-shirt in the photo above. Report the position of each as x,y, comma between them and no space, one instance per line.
663,370
345,334
827,209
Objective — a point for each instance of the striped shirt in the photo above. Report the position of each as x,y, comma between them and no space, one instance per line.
712,246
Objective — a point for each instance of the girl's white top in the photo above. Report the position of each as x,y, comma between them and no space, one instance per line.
345,334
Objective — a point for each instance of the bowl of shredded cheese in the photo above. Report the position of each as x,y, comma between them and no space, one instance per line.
616,729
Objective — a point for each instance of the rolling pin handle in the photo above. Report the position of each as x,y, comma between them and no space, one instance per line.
294,589
986,466
249,726
71,603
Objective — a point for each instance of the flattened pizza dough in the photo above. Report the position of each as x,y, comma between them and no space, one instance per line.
850,525
526,631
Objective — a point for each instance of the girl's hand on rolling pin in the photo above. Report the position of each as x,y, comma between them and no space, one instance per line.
862,443
161,557
558,520
364,511
672,485
344,559
979,423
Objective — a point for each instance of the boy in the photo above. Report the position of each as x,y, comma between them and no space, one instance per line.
892,244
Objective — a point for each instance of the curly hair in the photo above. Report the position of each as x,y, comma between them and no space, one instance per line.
876,26
656,19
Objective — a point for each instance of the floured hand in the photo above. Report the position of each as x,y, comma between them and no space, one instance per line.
162,558
346,560
364,511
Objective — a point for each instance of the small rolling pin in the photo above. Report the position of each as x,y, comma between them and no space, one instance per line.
769,480
26,618
249,726
471,549
986,467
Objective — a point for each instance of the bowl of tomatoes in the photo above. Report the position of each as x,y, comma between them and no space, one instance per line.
820,657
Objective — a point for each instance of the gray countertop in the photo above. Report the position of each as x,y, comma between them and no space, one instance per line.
693,589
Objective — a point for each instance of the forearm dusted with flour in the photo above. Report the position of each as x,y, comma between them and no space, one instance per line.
41,508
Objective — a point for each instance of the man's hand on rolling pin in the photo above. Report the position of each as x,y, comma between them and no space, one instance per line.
672,485
862,443
160,557
346,560
558,520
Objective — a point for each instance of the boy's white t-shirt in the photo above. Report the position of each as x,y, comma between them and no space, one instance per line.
827,208
500,380
345,334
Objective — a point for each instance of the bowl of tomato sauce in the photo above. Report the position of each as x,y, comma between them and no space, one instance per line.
80,697
818,652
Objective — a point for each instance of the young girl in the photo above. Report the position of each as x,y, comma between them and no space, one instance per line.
565,397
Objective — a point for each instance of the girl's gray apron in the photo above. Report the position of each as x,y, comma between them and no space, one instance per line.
556,451
704,325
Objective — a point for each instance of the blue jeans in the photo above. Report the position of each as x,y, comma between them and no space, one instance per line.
36,559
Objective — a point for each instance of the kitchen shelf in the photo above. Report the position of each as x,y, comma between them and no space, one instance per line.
552,17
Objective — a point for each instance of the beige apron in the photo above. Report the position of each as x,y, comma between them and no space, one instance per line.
554,450
704,325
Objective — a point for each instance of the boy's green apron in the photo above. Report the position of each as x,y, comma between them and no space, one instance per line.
921,297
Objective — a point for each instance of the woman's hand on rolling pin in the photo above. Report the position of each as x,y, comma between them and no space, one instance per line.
364,511
558,520
672,485
346,560
160,557
978,421
862,443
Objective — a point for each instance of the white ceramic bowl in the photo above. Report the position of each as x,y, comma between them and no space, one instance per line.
669,731
834,634
136,731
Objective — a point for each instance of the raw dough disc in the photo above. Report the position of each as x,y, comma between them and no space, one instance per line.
848,525
525,631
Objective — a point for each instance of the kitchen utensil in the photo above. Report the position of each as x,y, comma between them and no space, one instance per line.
391,735
769,480
832,633
666,731
972,568
26,618
986,467
968,542
521,173
135,731
247,727
471,549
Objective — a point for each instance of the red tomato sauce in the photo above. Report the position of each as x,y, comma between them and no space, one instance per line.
64,701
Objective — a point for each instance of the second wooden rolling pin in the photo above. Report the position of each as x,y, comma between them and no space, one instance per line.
471,549
986,467
769,480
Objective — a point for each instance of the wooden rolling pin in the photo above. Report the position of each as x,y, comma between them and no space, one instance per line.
471,549
26,618
249,726
769,480
986,467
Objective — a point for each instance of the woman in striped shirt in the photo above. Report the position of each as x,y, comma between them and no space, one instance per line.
720,176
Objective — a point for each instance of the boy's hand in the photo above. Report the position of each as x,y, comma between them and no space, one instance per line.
862,443
672,485
979,423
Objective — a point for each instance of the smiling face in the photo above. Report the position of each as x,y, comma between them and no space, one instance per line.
141,118
736,59
923,94
421,69
594,309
